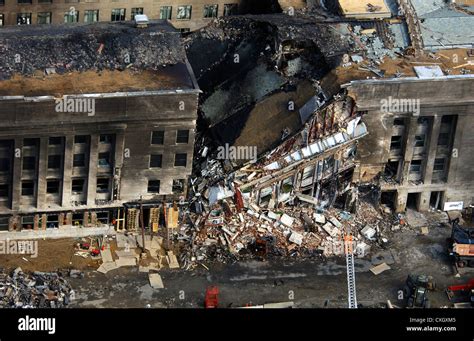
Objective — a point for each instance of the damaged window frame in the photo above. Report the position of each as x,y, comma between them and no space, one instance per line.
186,10
211,11
121,16
135,11
91,13
103,185
44,15
178,186
77,186
53,186
153,186
26,189
166,12
23,18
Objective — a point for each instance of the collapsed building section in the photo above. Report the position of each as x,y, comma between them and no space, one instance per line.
95,118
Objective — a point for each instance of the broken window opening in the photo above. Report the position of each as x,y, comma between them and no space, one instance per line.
391,169
79,139
52,186
399,122
54,141
136,11
2,18
184,12
165,12
106,139
182,136
29,163
79,160
104,159
118,14
388,199
156,161
439,165
231,9
27,188
178,186
4,191
420,140
71,17
157,137
91,16
77,186
443,139
413,200
103,185
180,160
27,222
415,166
396,143
153,186
23,19
210,11
4,164
54,161
436,200
4,223
52,221
103,217
44,18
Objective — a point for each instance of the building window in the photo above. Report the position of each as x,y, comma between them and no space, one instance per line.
102,185
44,1
443,139
135,11
419,140
231,9
77,186
27,188
30,142
180,160
44,18
80,139
4,164
118,14
71,17
24,1
104,159
54,141
184,12
210,11
52,186
107,139
399,122
165,12
439,165
415,166
1,19
4,191
423,121
91,16
79,160
156,160
158,137
178,186
182,136
54,161
23,19
29,163
153,186
396,143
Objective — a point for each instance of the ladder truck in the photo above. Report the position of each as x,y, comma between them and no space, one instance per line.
351,282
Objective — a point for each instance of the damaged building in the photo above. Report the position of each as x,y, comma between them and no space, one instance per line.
95,118
419,147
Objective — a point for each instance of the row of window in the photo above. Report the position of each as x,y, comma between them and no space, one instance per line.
119,14
439,165
78,187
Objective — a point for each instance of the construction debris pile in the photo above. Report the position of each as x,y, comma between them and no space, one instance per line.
35,290
116,46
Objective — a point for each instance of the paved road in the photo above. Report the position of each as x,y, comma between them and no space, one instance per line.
309,283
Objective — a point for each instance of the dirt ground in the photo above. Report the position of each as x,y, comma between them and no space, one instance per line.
308,283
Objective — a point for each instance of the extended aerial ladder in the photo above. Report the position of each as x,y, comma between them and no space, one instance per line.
351,282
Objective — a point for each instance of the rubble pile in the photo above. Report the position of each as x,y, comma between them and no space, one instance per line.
35,290
85,47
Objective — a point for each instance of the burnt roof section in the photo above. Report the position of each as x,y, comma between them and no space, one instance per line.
69,48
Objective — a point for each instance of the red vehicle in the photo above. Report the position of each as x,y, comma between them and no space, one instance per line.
211,300
463,293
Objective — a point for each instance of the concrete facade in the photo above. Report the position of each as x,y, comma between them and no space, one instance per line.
54,11
421,151
76,168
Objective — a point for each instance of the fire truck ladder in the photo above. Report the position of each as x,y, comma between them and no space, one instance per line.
351,282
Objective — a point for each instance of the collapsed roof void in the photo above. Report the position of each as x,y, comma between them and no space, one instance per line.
244,63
